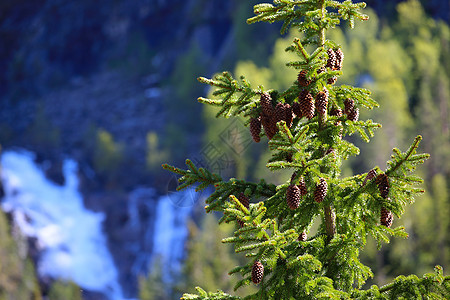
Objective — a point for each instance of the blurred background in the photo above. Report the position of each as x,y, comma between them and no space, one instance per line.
96,95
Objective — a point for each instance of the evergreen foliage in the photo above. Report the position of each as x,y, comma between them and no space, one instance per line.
348,210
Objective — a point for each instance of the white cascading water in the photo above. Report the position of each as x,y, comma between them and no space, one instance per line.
70,238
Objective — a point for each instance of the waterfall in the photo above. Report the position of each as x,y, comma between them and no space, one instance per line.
70,240
69,237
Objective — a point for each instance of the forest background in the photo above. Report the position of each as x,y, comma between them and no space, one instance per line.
402,55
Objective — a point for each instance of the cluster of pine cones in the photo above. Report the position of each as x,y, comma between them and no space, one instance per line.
294,191
269,117
306,106
382,182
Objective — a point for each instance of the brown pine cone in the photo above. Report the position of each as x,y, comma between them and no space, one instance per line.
257,272
353,115
332,80
322,101
244,200
321,191
279,112
386,217
307,106
339,59
370,175
296,109
336,111
255,129
302,186
293,196
331,62
302,236
288,117
302,80
266,104
270,127
349,105
382,182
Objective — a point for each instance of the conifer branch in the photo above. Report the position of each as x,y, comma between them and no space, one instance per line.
236,96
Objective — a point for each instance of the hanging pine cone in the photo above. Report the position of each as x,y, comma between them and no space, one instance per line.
336,111
255,129
386,218
321,191
244,200
266,104
332,80
339,59
257,272
293,196
302,236
302,186
331,62
288,117
270,127
279,112
349,105
302,80
307,106
382,182
296,109
353,115
322,101
370,175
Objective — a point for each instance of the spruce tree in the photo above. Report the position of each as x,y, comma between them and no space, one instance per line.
306,126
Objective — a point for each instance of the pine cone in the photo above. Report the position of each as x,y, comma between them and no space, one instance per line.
255,129
339,59
270,127
331,62
349,105
370,175
322,101
302,80
302,186
302,236
386,218
321,191
288,117
336,111
296,109
279,112
307,106
293,196
320,70
332,80
353,115
244,200
257,272
382,182
266,104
